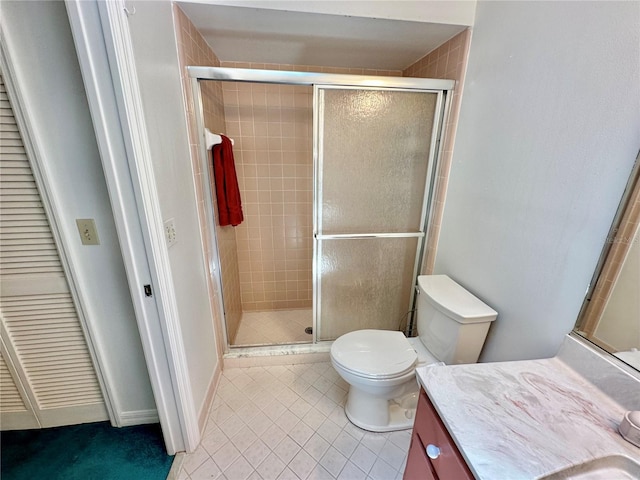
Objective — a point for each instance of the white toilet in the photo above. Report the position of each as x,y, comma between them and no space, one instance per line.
379,365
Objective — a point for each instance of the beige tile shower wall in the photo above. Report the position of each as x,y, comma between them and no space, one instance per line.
193,50
272,128
448,61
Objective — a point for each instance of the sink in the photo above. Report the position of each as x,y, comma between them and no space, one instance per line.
616,467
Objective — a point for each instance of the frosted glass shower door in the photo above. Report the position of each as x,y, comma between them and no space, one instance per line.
375,152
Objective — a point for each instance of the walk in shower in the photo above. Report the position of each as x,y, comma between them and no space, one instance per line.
336,175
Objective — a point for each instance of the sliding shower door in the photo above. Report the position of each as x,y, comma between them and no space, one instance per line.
375,151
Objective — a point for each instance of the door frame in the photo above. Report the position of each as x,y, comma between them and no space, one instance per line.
105,54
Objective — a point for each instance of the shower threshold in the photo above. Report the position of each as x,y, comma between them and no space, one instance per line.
277,354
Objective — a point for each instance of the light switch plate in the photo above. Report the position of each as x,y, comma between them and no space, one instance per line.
170,232
88,231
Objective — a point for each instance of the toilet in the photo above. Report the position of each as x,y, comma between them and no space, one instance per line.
379,365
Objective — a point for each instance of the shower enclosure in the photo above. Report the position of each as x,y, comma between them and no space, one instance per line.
336,174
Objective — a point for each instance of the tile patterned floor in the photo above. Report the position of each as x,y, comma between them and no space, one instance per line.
288,422
274,327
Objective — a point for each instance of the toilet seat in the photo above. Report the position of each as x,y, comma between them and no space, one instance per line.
374,354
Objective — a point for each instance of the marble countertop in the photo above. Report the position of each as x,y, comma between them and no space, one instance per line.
525,419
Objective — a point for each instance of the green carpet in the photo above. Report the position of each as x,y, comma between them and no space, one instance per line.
92,451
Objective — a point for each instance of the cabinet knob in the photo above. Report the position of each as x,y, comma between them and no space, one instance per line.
433,452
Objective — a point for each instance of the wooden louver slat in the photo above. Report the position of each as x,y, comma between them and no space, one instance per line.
10,400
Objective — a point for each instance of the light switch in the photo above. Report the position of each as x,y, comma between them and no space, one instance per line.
88,231
170,232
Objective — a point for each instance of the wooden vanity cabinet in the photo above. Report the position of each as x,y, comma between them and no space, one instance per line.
429,431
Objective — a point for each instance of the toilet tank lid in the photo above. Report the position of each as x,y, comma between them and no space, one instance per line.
454,300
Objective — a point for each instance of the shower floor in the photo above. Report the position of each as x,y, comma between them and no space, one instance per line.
275,327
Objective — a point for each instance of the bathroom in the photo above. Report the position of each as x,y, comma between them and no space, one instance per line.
557,199
532,200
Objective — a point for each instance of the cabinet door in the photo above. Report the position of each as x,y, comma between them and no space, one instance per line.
418,465
448,463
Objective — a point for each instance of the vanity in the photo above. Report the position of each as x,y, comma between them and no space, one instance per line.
536,419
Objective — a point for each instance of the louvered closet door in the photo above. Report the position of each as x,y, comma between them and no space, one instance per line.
47,376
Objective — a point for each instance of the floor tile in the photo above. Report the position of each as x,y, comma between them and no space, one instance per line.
319,473
374,442
351,472
244,438
329,430
301,432
333,461
287,421
256,453
381,470
316,446
232,425
214,440
287,474
363,458
392,455
277,422
302,464
314,418
240,469
260,424
286,449
273,436
345,443
208,470
195,459
271,467
225,456
274,409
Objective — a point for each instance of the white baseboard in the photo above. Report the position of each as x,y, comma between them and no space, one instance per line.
138,417
208,400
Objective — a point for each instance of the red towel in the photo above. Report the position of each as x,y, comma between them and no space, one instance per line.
227,191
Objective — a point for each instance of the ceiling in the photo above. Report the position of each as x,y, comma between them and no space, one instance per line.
261,35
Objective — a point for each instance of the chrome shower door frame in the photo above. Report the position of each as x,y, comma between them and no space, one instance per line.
324,80
440,113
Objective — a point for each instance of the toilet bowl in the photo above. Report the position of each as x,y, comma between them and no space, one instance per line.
379,365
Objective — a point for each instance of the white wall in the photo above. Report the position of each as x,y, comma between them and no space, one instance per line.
548,131
41,47
158,70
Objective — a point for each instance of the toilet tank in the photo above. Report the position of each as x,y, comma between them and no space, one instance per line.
452,323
